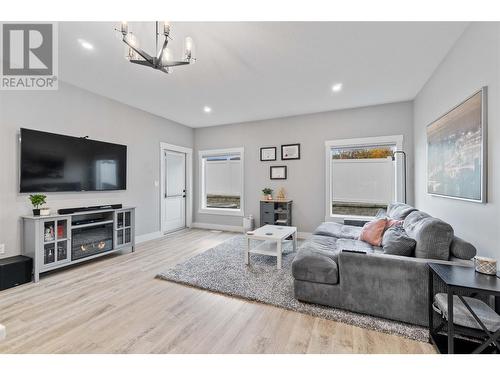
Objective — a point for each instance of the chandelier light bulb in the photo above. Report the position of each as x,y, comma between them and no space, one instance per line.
189,43
166,28
132,55
188,48
124,27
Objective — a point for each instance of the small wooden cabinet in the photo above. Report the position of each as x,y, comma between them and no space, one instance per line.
59,240
276,212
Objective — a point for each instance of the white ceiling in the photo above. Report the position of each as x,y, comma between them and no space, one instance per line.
250,71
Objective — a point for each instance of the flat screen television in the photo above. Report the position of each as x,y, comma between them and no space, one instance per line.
54,163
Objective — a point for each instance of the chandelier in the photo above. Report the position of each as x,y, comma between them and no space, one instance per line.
162,59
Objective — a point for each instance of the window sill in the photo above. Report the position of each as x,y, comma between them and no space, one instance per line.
221,211
341,218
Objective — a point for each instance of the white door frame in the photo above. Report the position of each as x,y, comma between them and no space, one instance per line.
189,181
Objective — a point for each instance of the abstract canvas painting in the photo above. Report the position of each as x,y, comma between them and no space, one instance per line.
456,157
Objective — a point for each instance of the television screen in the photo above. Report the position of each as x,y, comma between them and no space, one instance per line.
52,163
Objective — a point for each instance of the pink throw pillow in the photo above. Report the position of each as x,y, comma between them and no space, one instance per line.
373,231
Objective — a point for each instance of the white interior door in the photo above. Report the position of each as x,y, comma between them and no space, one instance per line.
174,197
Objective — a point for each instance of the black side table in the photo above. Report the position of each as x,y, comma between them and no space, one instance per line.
461,281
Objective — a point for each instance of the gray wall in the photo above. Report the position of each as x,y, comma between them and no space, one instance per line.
306,177
472,63
76,112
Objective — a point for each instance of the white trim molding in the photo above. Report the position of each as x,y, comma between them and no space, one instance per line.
189,181
201,170
359,142
148,237
227,228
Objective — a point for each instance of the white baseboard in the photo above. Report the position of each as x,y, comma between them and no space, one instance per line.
148,237
228,228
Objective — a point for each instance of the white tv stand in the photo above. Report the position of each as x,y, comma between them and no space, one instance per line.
57,241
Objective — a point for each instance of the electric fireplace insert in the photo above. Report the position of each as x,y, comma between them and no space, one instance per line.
90,240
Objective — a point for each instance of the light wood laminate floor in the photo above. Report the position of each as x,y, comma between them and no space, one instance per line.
115,305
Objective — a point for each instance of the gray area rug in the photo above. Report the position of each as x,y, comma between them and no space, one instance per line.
222,269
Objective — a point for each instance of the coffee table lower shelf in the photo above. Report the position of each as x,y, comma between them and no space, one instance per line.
267,248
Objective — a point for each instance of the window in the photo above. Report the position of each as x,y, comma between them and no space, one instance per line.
222,181
363,176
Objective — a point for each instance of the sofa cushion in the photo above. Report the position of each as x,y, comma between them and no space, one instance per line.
462,249
463,317
397,242
356,245
316,260
433,235
399,211
373,231
337,230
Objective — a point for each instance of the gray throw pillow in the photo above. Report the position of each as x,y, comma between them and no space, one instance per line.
397,242
399,211
462,249
433,236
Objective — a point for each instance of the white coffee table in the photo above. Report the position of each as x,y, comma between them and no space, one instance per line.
273,236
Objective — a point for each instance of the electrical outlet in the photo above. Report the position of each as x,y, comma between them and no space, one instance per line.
2,248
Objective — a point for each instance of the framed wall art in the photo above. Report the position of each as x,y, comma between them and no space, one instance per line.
268,153
456,151
290,152
278,172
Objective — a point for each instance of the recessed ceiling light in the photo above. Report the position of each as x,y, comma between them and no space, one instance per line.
337,87
207,109
85,44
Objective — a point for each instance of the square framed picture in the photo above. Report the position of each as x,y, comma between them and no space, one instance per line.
290,152
278,172
268,153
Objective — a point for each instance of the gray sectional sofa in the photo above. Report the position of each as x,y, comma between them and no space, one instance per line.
336,269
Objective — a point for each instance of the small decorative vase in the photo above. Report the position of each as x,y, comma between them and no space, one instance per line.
488,266
269,197
36,212
44,211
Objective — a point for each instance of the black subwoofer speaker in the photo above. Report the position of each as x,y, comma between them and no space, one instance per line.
15,271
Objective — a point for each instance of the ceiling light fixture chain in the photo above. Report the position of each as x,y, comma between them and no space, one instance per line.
162,58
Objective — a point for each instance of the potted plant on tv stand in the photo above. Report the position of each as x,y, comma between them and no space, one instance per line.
268,193
37,200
